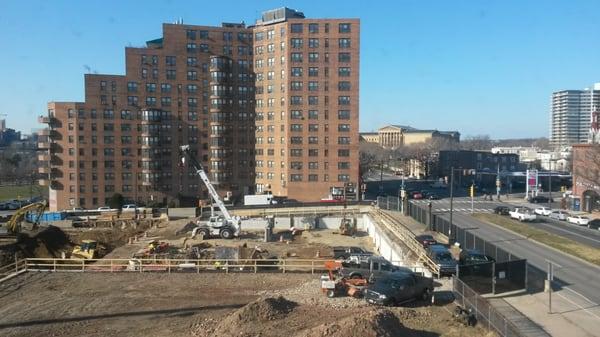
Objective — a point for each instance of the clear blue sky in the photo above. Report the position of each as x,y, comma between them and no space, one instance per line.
480,67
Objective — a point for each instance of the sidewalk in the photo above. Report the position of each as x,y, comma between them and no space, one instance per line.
571,315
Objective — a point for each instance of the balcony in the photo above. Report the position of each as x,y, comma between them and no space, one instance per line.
44,182
44,119
43,157
43,145
43,170
45,132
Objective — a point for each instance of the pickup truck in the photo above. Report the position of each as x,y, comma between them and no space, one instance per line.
523,214
397,288
370,268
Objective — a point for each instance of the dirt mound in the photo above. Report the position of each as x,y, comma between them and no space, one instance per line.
49,242
250,316
264,309
372,324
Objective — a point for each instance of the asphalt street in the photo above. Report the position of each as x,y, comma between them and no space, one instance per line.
578,277
580,234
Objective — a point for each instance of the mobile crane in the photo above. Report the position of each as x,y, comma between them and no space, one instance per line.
224,225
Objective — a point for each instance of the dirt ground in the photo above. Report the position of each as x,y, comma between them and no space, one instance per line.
303,246
207,304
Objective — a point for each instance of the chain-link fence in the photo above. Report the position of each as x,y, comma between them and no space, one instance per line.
486,314
510,271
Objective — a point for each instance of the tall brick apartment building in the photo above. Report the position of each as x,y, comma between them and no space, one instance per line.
267,108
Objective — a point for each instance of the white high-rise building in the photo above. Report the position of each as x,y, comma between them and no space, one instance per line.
571,115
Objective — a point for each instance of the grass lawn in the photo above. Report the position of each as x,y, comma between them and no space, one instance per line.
22,192
561,243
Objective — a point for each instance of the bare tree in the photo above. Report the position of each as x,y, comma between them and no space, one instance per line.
586,163
479,142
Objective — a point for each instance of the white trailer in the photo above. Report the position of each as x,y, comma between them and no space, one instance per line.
259,199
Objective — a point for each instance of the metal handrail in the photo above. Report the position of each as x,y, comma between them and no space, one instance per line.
407,237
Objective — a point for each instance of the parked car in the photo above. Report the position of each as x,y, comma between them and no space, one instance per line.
543,211
417,195
371,268
129,207
442,257
559,215
398,288
502,210
103,208
3,206
425,240
343,252
472,256
523,214
578,220
538,199
434,197
594,224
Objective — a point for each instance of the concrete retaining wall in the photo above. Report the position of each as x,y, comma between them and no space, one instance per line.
330,222
387,246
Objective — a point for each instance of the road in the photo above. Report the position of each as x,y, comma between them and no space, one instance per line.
579,278
580,234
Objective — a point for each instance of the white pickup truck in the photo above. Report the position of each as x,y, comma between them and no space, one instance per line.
523,214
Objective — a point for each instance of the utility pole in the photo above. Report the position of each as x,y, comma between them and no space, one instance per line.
498,183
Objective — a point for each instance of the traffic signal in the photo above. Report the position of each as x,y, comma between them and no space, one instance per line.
472,191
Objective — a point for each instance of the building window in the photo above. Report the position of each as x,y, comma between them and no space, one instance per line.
313,100
296,57
343,114
150,87
313,86
344,140
344,100
344,86
344,28
150,101
170,60
313,28
296,85
192,75
343,177
344,43
296,28
171,74
313,43
343,153
344,71
295,127
313,152
296,43
296,114
344,57
296,72
313,140
295,177
295,152
190,34
296,100
313,114
132,86
313,71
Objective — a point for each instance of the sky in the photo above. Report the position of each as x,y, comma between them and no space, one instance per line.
479,67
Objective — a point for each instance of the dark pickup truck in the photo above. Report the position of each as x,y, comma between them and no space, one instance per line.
370,268
398,288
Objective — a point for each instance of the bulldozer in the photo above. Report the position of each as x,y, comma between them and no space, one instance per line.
88,249
347,227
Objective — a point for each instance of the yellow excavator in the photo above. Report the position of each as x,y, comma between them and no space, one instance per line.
14,223
85,251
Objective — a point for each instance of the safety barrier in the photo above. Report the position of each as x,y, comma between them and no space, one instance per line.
174,265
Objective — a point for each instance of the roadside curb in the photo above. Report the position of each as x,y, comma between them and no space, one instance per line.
541,243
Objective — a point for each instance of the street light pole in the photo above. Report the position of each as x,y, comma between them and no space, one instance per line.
451,203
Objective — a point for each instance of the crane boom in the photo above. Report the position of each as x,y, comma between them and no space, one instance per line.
204,177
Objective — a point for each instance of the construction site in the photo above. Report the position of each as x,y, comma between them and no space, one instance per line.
322,270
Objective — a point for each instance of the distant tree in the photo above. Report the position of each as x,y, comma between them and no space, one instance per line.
116,201
542,143
479,142
371,154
